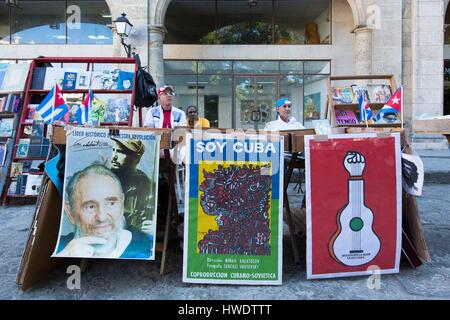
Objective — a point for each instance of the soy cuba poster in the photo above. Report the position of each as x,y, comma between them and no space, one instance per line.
354,205
233,208
110,194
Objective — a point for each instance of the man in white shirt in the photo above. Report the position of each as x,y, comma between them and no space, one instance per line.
284,121
165,115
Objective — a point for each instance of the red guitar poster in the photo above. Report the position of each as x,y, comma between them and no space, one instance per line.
354,205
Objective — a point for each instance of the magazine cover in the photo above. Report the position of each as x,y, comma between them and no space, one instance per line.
6,127
233,210
359,91
343,95
379,93
353,205
15,77
110,194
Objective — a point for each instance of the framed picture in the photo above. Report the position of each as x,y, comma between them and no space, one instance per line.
312,107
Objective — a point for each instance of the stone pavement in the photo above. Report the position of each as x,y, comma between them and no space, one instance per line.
141,280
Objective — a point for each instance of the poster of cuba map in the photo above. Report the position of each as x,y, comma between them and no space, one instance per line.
110,194
354,205
233,209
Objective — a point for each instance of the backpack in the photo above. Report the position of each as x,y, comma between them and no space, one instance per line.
145,95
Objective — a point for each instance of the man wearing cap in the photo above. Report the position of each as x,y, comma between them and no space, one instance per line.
135,183
284,121
165,115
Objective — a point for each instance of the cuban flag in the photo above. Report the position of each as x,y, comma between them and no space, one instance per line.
83,109
393,105
364,109
53,107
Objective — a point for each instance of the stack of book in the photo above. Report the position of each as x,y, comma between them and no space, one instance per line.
36,146
10,103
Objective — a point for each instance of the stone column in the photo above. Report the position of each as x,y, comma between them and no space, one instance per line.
156,57
363,50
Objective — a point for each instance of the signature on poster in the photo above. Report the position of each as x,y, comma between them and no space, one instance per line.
355,242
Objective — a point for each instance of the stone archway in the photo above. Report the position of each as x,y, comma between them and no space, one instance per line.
359,16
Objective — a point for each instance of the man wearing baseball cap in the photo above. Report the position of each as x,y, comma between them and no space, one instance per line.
165,115
284,119
136,184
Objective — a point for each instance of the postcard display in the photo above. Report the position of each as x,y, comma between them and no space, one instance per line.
233,209
354,204
94,209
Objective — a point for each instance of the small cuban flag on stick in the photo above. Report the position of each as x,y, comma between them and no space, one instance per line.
83,110
53,107
393,105
364,109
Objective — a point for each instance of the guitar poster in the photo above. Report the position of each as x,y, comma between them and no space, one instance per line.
233,209
354,205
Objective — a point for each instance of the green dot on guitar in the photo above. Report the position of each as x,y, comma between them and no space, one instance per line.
356,224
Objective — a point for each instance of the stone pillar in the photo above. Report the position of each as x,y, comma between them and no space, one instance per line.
363,50
156,57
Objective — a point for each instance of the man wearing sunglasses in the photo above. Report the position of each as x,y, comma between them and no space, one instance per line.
284,119
165,115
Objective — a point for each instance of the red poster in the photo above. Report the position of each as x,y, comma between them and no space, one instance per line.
354,200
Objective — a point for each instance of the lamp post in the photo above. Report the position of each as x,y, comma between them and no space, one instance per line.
123,27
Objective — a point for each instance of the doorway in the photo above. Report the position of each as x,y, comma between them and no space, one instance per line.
254,100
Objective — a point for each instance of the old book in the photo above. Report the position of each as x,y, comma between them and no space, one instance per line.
22,148
33,184
70,80
16,169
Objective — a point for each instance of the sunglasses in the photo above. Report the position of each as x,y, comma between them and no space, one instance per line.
287,106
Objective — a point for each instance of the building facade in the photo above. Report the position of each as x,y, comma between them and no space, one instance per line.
233,57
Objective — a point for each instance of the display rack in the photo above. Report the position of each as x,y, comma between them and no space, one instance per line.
35,96
8,141
334,106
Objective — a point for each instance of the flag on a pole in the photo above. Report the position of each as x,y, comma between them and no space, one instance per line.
53,107
364,108
393,105
83,110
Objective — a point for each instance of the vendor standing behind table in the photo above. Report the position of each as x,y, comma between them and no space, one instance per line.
194,121
165,115
284,119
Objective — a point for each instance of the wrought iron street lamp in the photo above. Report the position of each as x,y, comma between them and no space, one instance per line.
123,28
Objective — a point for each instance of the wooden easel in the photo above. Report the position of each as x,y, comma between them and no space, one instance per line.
295,145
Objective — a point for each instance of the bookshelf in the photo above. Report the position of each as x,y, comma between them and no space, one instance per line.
43,74
9,121
351,109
